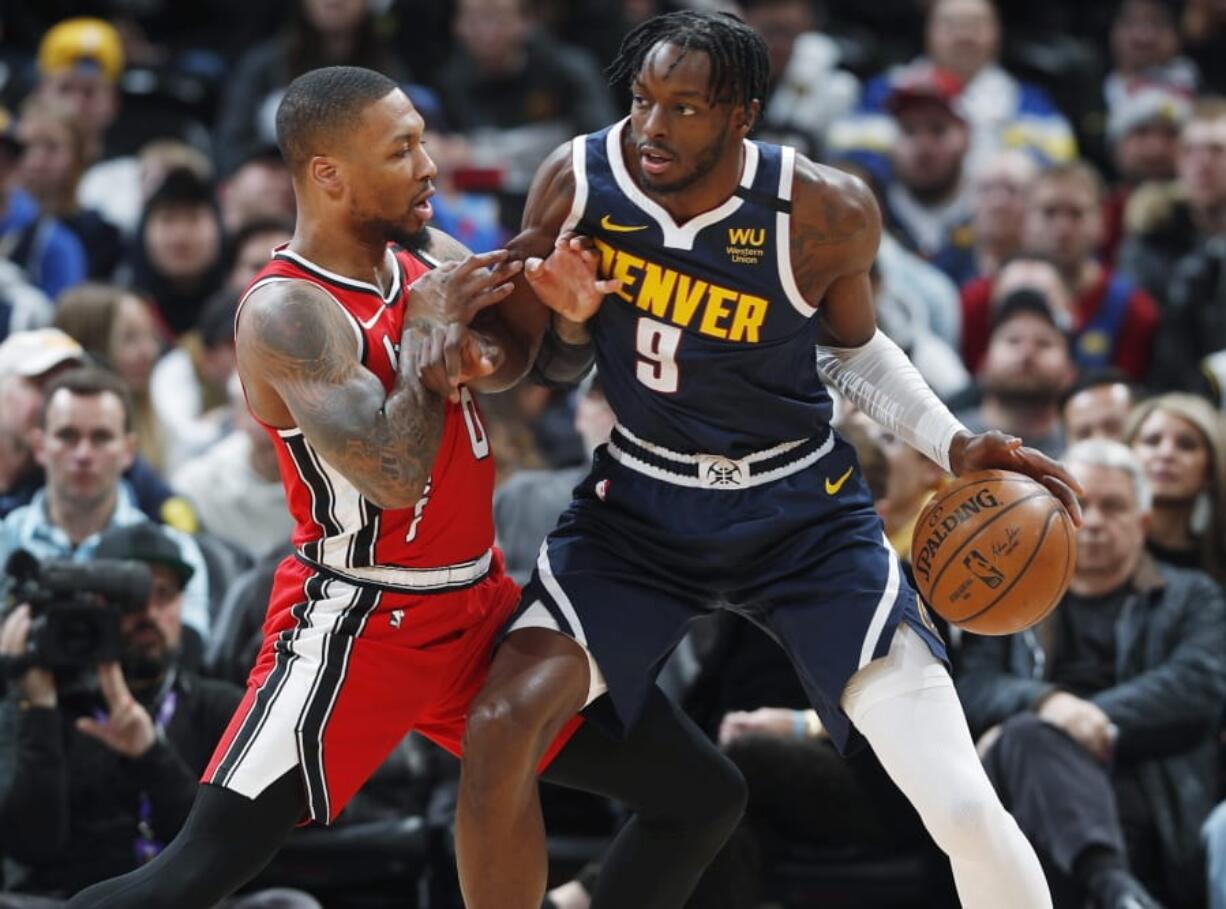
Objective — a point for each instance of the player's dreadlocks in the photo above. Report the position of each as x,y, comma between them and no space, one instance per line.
740,67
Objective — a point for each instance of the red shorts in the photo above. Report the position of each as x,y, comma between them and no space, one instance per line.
347,670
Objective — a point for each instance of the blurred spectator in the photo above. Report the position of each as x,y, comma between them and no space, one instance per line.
904,318
1115,319
527,505
515,91
80,62
189,388
1179,440
962,39
49,254
800,58
118,330
258,189
1166,222
999,190
96,778
161,156
911,277
176,259
981,297
85,445
1145,50
236,487
317,33
29,362
1144,134
1098,726
927,203
53,158
251,248
1204,36
23,307
465,203
1097,405
1027,367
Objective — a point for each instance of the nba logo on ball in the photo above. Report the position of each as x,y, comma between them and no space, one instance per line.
993,552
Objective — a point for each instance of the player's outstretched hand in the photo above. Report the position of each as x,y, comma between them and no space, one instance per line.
456,291
567,281
995,450
444,357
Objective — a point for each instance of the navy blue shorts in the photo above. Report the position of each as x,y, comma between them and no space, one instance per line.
789,538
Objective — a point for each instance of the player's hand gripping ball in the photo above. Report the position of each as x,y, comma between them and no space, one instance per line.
993,552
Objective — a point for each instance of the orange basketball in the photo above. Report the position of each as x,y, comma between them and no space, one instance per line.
993,552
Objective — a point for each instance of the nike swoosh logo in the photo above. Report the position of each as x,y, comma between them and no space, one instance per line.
833,488
620,228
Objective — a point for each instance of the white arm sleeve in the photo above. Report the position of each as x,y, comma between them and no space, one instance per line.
880,380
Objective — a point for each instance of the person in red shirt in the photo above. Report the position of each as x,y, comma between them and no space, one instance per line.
1113,318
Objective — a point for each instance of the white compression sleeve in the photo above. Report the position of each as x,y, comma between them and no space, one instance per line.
880,380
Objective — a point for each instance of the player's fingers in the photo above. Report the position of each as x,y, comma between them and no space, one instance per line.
1041,463
608,286
1067,498
534,268
488,298
474,261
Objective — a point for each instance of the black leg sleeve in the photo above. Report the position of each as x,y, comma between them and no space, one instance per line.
225,842
1061,797
686,799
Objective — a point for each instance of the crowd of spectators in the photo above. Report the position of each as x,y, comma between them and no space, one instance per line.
1052,179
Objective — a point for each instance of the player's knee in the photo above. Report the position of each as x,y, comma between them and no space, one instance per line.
964,816
708,802
506,724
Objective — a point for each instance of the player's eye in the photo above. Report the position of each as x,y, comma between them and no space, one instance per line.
685,110
638,100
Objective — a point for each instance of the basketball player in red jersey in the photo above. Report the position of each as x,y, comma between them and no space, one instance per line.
385,617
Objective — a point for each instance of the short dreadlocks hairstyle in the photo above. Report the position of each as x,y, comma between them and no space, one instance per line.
740,66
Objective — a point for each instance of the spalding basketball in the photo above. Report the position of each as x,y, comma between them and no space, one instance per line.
993,552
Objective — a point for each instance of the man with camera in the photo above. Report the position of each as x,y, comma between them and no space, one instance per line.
99,760
85,443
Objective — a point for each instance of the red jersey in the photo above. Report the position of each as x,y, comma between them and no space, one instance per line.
442,540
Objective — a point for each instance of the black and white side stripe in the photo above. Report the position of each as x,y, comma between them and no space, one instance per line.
317,711
266,697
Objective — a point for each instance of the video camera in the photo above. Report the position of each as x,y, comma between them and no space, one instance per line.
75,608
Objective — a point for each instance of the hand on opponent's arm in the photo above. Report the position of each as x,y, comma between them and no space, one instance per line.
294,340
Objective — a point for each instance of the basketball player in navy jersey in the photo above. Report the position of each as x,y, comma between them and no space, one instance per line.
385,617
723,482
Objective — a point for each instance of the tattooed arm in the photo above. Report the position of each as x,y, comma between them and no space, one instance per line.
836,228
298,359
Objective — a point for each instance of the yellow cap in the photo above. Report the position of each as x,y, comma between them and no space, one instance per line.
73,41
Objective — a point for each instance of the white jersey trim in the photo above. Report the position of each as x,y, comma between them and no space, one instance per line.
676,236
443,577
783,237
578,165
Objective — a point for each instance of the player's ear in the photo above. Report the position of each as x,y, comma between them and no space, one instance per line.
745,116
324,172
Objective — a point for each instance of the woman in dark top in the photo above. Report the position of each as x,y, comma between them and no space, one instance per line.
1181,443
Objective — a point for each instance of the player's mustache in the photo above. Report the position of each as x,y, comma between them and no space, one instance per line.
656,148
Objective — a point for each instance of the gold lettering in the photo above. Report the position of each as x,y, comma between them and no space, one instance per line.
656,291
716,311
607,253
624,268
685,302
748,318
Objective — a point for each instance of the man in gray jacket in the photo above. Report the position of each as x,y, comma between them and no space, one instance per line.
1098,726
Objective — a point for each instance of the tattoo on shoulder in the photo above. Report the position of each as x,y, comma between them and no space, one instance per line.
833,214
298,331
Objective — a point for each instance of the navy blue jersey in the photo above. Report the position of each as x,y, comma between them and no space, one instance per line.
709,345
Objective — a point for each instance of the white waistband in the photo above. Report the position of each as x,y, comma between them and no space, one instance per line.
711,471
441,578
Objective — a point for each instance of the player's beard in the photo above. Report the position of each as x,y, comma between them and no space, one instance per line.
704,163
